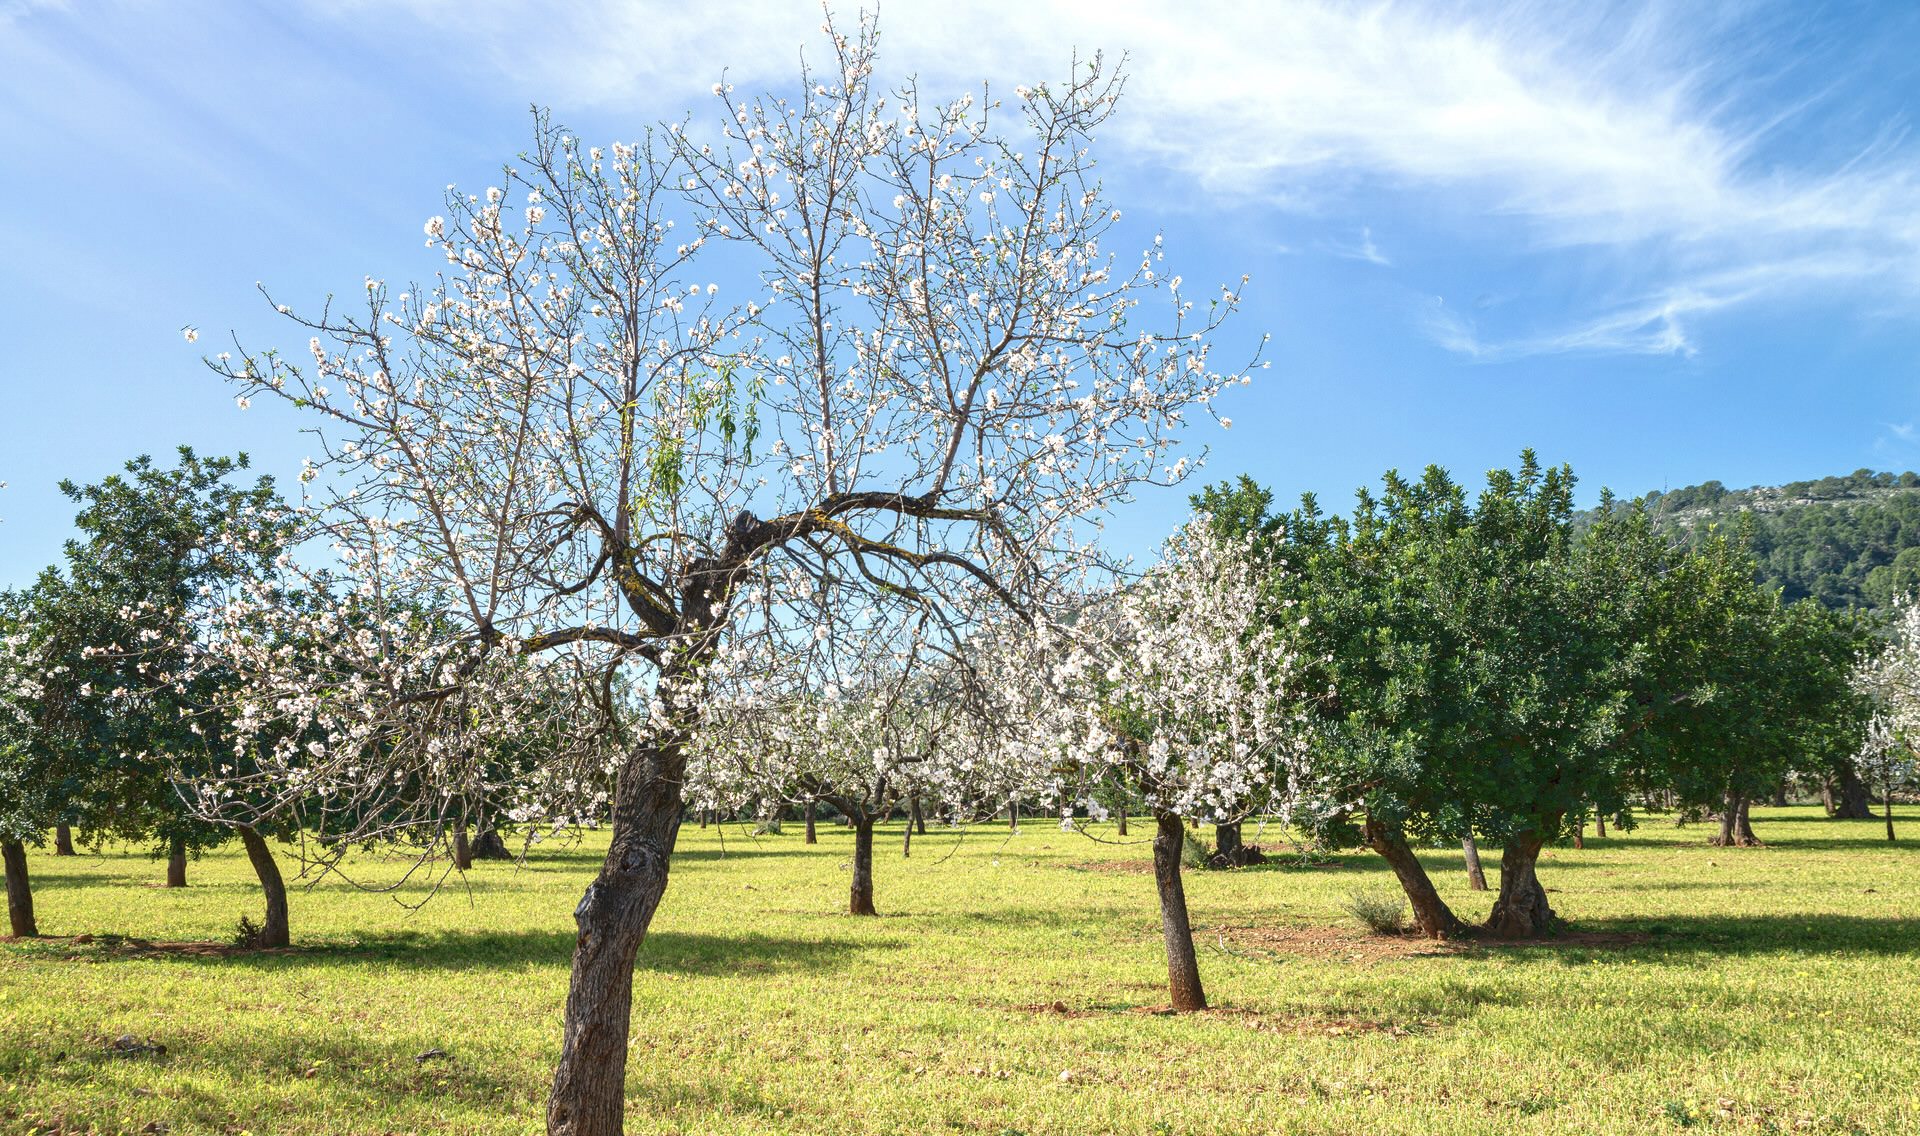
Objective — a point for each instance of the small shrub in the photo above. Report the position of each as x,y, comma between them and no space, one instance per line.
248,934
1382,912
1194,853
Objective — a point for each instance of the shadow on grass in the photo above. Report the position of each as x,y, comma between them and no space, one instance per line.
1673,936
673,952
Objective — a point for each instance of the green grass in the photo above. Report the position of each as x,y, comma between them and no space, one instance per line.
1775,990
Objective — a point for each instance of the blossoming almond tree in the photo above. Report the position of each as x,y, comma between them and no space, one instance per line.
937,368
1183,687
1890,680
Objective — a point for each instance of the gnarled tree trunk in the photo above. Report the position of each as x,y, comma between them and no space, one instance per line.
860,896
462,847
273,932
19,890
1736,829
177,863
1847,797
489,845
1430,913
62,840
1183,966
1476,875
589,1085
1520,910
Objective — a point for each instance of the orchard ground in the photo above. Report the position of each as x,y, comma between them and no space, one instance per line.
1008,987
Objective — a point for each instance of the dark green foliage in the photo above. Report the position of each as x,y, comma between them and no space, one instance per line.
1848,542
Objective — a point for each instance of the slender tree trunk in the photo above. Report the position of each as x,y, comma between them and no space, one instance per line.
1123,821
19,891
1520,910
860,898
1183,966
177,863
1580,835
906,842
1780,795
1476,875
1853,801
273,932
1013,814
812,808
919,818
62,840
703,818
1599,826
462,848
1889,814
589,1084
1430,913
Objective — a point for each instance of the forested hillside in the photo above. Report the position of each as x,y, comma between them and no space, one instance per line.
1849,541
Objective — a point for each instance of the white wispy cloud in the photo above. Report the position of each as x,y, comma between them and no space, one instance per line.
1633,131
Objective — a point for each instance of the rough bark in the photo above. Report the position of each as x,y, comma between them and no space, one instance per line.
1231,849
1122,814
489,845
1476,875
919,817
1183,966
177,863
1780,795
273,932
19,891
589,1084
812,836
1580,835
462,848
1430,913
62,840
1600,827
1521,910
1847,796
1736,829
1013,814
860,895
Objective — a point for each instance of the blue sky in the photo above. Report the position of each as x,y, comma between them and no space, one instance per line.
1666,242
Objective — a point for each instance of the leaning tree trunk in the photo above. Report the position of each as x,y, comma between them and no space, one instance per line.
589,1084
177,863
62,840
1476,875
462,848
1852,802
1430,913
19,891
1520,910
273,932
860,896
906,842
1183,966
812,836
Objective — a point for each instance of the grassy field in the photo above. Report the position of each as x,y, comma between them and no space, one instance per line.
1004,990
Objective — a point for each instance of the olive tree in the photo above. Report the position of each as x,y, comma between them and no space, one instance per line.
936,367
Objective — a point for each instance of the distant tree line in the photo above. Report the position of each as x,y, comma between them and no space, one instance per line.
1848,542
